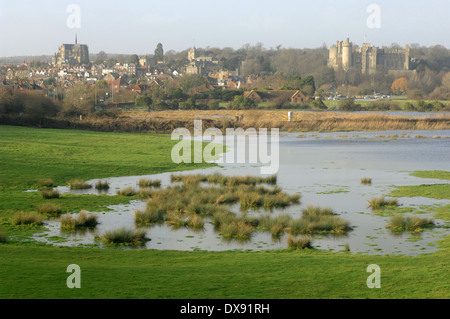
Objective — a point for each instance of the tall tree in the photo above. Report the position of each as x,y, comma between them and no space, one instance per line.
159,53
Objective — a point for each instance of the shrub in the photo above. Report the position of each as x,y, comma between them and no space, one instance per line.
49,209
78,184
49,193
124,236
22,218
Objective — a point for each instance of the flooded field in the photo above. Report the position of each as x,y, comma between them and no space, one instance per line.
326,169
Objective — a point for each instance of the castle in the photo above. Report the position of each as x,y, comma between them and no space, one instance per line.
71,54
368,59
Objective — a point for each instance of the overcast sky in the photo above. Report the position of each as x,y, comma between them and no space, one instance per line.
37,27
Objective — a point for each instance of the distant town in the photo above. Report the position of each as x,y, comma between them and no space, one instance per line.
276,76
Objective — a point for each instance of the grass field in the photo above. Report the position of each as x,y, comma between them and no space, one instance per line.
32,270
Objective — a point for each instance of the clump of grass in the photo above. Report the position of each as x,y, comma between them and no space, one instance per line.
299,243
78,184
318,220
49,209
150,216
366,181
3,237
176,220
317,211
237,229
83,221
49,193
33,218
127,191
408,223
149,183
45,182
196,222
347,247
102,185
380,203
124,236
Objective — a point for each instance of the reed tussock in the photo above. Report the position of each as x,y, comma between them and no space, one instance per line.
83,220
33,218
125,236
318,220
49,209
299,243
130,191
45,182
377,203
3,237
237,229
102,185
149,183
366,181
49,193
408,223
78,184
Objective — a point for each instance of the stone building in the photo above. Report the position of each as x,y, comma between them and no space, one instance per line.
71,54
200,64
369,59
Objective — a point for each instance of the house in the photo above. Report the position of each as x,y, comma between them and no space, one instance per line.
286,96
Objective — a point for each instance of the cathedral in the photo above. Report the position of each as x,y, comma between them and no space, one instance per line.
71,54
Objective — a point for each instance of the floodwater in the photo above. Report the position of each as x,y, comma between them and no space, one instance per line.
326,169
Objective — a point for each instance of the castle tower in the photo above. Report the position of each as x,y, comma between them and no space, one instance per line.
407,65
192,55
346,54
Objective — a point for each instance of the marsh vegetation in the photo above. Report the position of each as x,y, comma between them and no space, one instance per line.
237,206
83,220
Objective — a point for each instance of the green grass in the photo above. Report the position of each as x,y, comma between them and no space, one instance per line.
437,191
432,174
38,153
151,274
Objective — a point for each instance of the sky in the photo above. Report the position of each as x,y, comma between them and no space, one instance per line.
39,27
